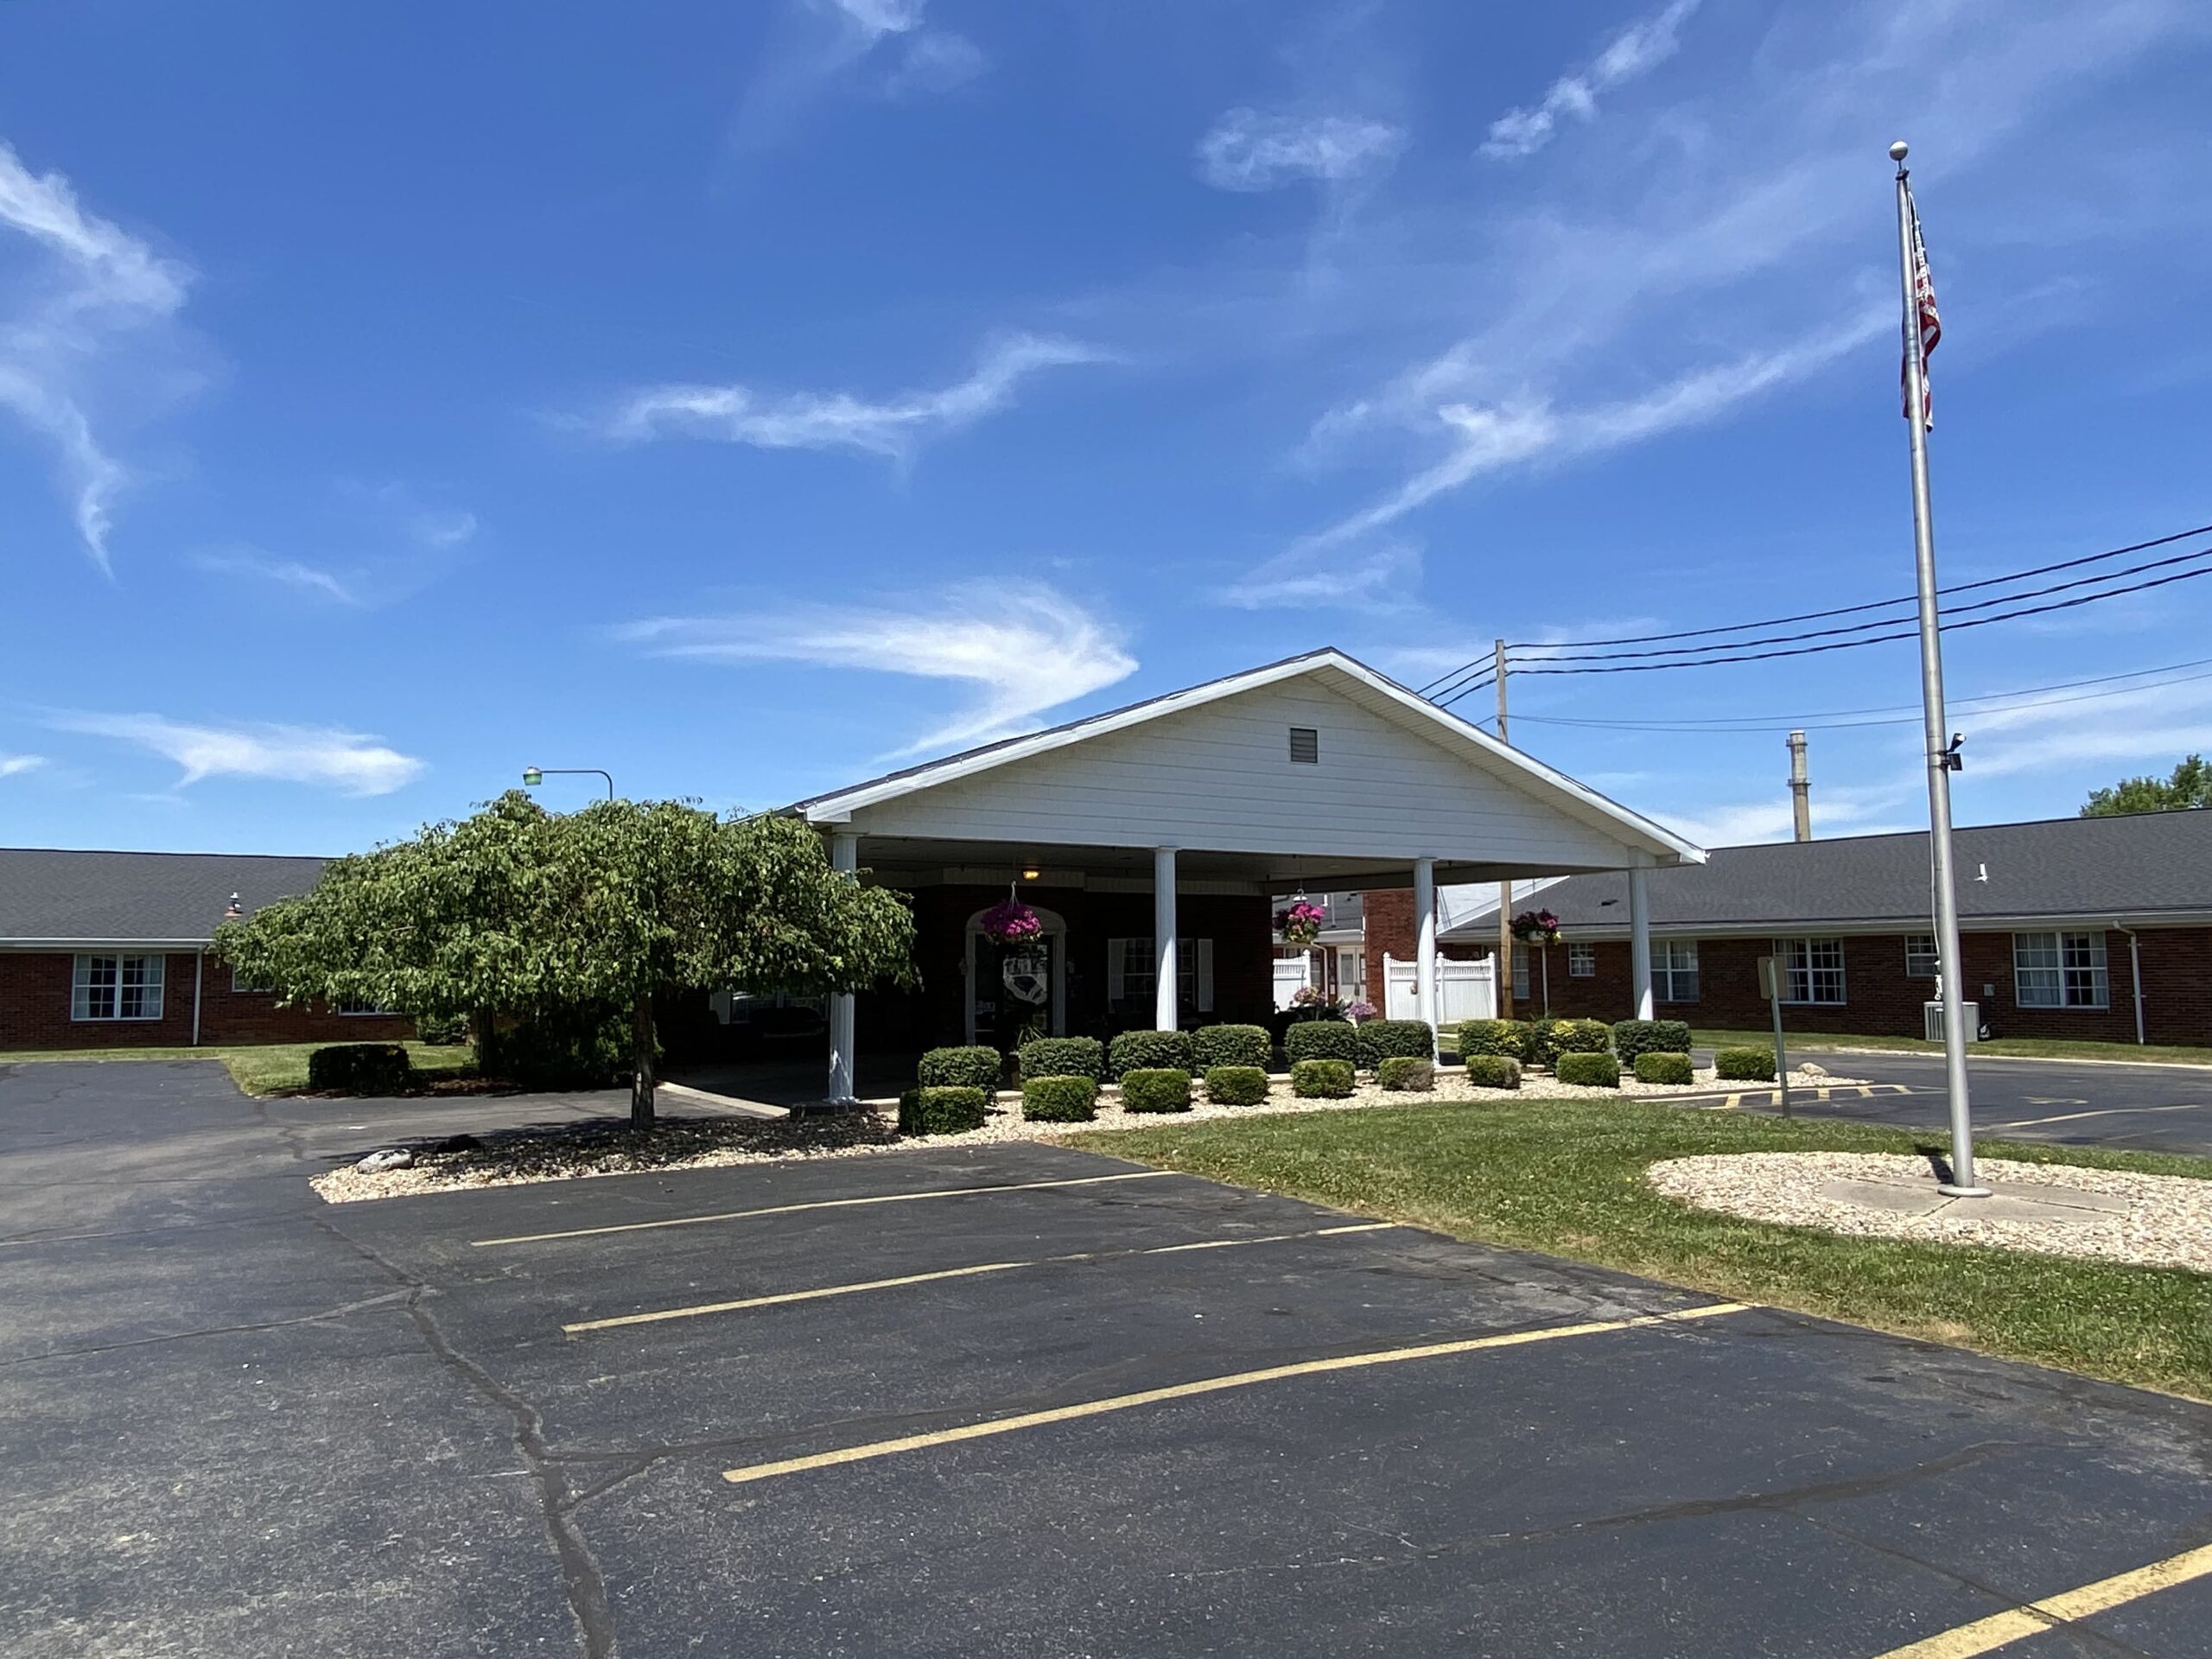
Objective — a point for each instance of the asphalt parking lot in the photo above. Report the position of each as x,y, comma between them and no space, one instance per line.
1001,1400
2066,1102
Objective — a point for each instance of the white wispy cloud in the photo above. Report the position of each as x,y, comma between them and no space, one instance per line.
1874,810
96,286
1485,440
2154,724
1248,150
285,573
14,765
1378,580
892,427
1636,51
351,762
881,49
1023,650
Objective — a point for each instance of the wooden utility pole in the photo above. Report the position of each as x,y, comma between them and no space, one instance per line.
1504,888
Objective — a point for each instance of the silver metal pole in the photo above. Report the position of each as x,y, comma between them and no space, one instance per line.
1963,1183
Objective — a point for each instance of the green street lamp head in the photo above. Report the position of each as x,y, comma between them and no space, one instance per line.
531,777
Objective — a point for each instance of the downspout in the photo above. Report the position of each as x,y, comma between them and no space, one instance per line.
2134,973
199,975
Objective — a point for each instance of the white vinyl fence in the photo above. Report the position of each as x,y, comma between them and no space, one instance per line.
1291,977
1464,990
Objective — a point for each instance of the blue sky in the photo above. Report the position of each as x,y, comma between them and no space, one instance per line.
742,398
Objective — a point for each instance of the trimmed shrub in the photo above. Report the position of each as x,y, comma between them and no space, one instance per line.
1321,1040
1406,1074
1156,1089
1656,1065
1321,1079
572,1047
1150,1050
1549,1039
1059,1100
1743,1065
1493,1071
361,1069
1063,1056
1585,1069
444,1030
943,1108
1236,1085
1507,1037
960,1068
1634,1036
1237,1046
1385,1040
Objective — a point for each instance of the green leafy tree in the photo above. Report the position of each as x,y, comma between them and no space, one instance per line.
517,913
2191,786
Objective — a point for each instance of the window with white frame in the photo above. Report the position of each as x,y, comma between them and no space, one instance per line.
117,988
1132,971
1581,961
2060,971
1920,955
243,986
1673,970
1521,974
1812,969
353,1007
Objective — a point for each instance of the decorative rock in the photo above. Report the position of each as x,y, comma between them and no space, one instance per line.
1807,1069
389,1158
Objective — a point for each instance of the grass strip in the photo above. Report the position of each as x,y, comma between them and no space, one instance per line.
1567,1178
259,1068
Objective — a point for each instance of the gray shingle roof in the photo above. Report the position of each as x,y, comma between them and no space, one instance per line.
116,897
2139,866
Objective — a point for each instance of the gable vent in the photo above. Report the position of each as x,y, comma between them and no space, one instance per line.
1306,745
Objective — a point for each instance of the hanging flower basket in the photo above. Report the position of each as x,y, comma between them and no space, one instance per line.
1536,927
1300,924
1011,922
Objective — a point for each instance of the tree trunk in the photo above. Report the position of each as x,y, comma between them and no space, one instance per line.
488,1043
641,1084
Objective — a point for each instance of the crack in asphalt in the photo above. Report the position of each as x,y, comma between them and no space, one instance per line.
384,1301
580,1577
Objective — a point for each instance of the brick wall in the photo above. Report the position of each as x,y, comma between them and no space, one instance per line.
1880,1000
34,999
1390,932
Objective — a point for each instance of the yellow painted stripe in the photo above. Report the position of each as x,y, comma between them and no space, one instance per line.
2032,1618
820,1204
970,1272
1209,1385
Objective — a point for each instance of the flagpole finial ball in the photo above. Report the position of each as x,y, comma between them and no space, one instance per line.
1898,150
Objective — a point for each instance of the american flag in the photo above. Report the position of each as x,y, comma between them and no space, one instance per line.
1931,327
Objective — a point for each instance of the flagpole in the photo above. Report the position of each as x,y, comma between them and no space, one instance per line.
1940,758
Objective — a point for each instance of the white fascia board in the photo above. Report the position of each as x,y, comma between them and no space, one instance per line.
835,809
1613,932
105,944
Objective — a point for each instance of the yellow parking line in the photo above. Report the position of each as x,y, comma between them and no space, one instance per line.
820,1204
1209,1385
970,1272
2032,1618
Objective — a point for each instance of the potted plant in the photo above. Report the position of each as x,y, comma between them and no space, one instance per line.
1536,927
1300,923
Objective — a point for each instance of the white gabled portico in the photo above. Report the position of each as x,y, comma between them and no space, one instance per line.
1317,772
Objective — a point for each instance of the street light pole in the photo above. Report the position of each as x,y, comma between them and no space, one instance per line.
533,776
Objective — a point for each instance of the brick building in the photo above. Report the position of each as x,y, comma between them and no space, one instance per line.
2069,927
110,950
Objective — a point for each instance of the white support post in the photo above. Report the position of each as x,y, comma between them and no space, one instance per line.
1165,1011
1639,943
1424,945
844,855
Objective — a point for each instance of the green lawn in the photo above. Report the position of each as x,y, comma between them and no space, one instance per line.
2034,1048
1567,1178
259,1068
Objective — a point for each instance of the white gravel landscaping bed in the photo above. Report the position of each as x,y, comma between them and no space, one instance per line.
2167,1221
607,1148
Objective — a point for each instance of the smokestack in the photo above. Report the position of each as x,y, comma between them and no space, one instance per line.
1801,790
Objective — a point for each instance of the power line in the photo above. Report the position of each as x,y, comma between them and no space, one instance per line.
1998,701
1479,663
1886,622
1879,639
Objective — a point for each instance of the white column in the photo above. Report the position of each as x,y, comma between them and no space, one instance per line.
1163,937
1639,943
844,855
1425,943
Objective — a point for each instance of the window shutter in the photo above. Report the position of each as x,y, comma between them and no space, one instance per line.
1116,949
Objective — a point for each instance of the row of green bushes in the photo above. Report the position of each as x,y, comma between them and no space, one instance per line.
1542,1042
1365,1046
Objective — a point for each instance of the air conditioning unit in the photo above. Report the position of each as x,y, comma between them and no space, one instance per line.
1931,1015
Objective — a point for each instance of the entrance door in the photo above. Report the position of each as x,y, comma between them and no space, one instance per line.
1011,990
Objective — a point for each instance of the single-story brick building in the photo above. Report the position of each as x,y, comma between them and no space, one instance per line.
110,950
2091,928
